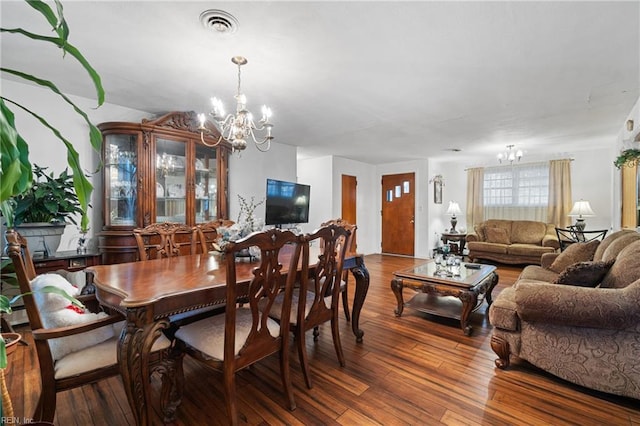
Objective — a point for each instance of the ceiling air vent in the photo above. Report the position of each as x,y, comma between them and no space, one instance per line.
219,21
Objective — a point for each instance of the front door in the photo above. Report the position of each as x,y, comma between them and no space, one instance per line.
349,198
398,214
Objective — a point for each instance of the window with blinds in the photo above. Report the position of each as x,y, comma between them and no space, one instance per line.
517,192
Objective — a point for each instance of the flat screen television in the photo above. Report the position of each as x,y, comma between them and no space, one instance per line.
286,202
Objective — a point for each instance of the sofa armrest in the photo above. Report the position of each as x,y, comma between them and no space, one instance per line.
547,259
550,240
602,308
473,237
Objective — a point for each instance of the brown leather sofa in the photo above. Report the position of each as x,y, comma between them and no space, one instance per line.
584,334
512,241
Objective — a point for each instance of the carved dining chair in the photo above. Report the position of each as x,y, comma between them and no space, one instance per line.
165,239
245,334
315,301
208,233
94,344
351,247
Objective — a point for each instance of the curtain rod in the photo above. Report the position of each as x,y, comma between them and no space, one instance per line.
484,167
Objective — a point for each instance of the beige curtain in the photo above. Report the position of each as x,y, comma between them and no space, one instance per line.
475,197
559,193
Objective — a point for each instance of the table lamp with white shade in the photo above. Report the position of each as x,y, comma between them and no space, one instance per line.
580,210
453,210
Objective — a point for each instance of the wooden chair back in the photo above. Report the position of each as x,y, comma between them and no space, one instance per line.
245,333
265,285
351,247
319,291
324,280
208,233
352,228
165,239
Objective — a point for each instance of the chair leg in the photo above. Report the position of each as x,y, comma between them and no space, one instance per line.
230,395
302,356
46,407
285,373
335,331
345,305
316,333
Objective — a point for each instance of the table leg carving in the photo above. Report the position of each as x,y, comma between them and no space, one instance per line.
361,275
134,347
501,347
494,282
469,301
170,370
396,287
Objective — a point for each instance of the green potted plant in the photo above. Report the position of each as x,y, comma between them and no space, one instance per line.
628,157
42,211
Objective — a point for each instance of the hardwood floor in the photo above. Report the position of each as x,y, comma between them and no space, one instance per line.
415,369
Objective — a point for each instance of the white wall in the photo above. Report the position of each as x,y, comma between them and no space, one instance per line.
592,174
454,189
248,174
317,172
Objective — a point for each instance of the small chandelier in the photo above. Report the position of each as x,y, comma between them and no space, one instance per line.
510,155
238,127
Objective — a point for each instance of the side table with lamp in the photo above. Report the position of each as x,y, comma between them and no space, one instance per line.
576,233
580,210
455,239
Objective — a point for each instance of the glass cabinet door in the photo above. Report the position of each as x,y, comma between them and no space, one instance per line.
171,183
206,179
121,172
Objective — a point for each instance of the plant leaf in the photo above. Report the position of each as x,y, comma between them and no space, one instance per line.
3,358
69,48
15,174
82,185
57,22
94,133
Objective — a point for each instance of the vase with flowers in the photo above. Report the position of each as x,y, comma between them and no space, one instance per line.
246,224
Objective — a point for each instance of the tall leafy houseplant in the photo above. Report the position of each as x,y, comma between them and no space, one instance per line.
16,176
15,172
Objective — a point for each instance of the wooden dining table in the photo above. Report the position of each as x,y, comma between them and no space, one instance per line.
148,293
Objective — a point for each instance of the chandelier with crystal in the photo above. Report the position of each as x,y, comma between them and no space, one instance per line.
510,155
237,128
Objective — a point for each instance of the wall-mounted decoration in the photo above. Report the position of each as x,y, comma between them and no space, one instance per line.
438,183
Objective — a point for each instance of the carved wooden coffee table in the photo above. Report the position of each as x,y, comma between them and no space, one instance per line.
441,294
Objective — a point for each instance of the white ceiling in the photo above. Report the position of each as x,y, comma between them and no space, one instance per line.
377,82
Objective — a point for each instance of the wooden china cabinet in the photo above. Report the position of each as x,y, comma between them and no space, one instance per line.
158,170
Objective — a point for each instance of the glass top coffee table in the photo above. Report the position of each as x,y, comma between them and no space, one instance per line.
442,291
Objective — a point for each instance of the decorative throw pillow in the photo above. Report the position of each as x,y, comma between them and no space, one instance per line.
576,252
584,274
57,311
497,235
479,230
